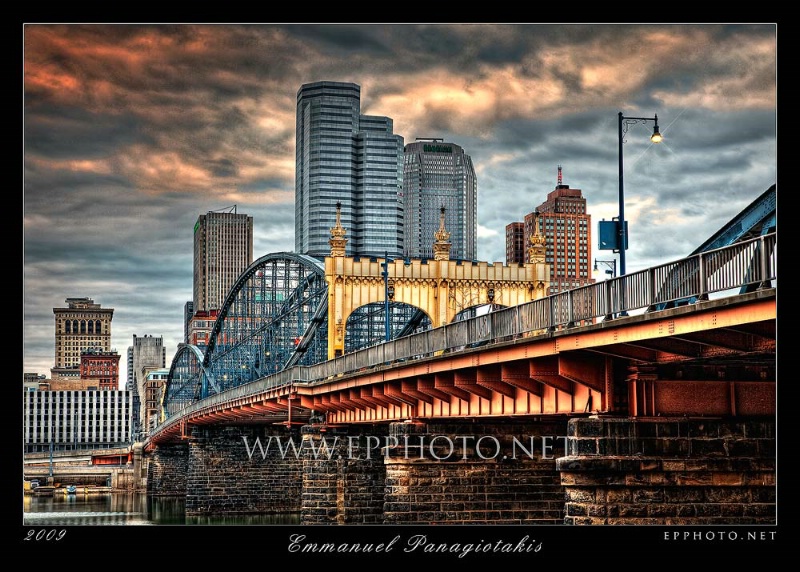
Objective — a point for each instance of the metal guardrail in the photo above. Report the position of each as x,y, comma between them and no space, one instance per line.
752,262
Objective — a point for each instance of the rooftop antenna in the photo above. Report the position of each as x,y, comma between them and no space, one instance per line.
559,175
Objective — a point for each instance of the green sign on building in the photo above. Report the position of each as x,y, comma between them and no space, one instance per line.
428,148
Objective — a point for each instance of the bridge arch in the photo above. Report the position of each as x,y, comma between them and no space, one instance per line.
188,381
272,318
366,325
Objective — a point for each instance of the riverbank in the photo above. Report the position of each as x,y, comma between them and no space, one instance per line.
57,490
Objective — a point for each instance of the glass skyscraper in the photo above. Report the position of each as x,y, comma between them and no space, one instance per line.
437,174
343,156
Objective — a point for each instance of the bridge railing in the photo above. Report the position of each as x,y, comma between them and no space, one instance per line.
747,263
280,379
751,262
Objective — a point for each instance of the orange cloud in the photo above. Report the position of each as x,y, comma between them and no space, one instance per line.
565,79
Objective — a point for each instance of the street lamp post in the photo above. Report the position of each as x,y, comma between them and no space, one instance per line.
610,264
611,270
621,230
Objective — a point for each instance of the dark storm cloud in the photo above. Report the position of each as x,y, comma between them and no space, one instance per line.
715,132
256,186
66,132
222,168
43,178
343,38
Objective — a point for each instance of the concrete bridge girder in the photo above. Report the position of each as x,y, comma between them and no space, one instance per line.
468,381
366,395
428,386
355,397
517,374
395,391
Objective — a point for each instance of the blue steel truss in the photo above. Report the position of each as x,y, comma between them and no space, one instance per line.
186,380
274,317
758,218
270,319
366,325
748,263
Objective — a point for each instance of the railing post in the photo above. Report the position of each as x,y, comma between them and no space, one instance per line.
703,294
609,308
570,309
762,250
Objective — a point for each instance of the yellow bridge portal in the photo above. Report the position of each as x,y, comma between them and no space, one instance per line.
442,288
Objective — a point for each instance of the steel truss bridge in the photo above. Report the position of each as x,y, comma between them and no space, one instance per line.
270,335
274,318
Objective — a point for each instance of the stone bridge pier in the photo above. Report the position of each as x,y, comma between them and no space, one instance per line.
240,469
670,471
344,475
585,470
453,473
167,467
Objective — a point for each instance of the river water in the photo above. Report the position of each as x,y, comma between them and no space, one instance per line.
128,509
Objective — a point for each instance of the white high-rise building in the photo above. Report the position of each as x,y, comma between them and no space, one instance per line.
76,419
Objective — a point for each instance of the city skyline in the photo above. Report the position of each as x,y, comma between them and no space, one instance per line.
133,131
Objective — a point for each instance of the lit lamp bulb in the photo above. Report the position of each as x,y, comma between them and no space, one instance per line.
656,136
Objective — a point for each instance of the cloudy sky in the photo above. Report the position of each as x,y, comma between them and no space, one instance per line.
132,131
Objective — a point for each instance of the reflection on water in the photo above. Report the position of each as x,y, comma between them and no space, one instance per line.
129,509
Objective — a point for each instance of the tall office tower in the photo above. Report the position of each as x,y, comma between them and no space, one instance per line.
223,249
349,158
81,326
146,353
437,174
515,243
568,232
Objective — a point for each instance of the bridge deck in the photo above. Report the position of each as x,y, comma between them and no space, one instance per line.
652,362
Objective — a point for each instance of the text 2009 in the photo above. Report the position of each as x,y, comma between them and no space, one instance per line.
44,534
